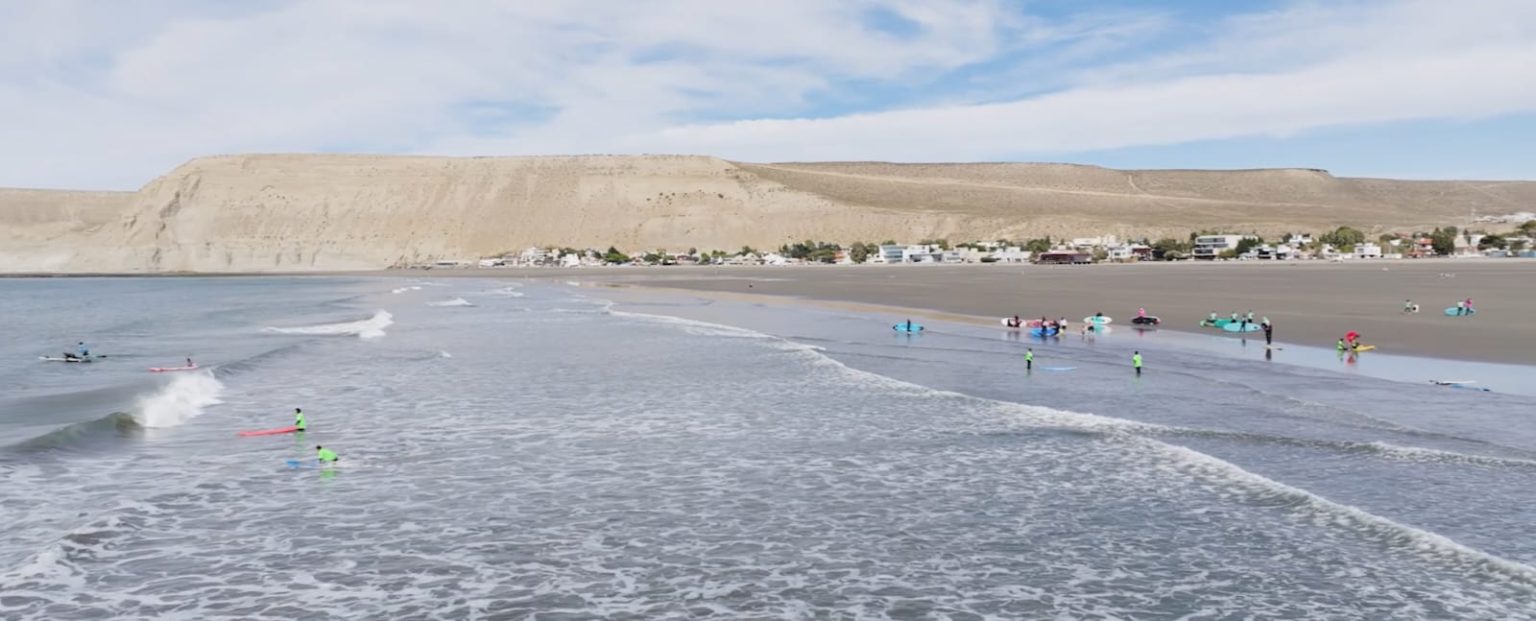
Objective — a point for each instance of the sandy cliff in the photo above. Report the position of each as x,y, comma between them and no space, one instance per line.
311,212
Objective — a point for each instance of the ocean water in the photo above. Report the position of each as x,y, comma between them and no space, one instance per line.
523,450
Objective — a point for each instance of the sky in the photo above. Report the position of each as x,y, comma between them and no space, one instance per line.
98,94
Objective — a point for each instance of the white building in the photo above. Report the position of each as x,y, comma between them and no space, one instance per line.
1012,254
1208,247
1466,244
1367,250
533,256
890,253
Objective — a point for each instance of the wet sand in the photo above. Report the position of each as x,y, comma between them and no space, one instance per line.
1309,303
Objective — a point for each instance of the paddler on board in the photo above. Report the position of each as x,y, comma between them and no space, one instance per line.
325,455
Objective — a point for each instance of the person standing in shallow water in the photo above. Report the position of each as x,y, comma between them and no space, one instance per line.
1029,359
1136,362
298,420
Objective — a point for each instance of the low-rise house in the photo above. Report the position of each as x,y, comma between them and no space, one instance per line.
890,253
1012,254
1208,247
1367,250
1126,253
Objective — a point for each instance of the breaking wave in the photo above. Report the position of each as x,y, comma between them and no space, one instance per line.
370,328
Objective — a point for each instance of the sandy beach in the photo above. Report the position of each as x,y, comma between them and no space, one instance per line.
1309,303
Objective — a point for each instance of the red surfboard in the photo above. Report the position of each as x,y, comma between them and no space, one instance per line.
270,432
169,369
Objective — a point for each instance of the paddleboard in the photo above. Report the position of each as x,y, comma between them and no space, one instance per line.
1453,312
905,327
170,369
1239,326
269,432
1098,320
58,359
1451,382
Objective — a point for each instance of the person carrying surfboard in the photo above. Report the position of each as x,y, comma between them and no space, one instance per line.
325,455
298,420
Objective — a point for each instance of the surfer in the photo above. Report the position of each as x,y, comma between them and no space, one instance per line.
298,421
1249,316
1468,306
1269,332
1141,312
1461,308
1136,362
1340,346
325,455
190,364
1029,359
81,352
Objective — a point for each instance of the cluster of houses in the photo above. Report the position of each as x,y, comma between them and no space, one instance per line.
1074,251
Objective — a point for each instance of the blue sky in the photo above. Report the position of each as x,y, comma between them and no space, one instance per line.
109,95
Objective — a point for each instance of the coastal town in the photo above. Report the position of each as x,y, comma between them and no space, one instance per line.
1341,244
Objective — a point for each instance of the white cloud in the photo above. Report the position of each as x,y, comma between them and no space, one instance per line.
109,95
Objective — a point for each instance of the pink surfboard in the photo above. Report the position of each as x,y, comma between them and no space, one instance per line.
169,369
270,432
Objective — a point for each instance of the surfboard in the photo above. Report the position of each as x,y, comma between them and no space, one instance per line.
1008,319
1058,368
269,432
1238,326
1460,312
1043,332
170,369
1364,347
1098,320
907,327
1450,382
59,359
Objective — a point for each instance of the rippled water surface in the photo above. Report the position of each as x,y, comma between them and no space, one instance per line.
515,450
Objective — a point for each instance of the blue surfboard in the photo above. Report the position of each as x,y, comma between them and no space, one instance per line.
907,327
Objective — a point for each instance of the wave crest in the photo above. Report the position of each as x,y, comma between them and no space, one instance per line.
370,328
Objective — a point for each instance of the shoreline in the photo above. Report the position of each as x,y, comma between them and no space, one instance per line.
1309,306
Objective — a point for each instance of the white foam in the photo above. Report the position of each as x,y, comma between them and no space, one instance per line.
370,328
451,302
1424,542
179,401
444,354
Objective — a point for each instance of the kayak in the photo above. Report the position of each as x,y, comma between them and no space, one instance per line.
907,327
1239,326
1460,312
1146,321
269,432
170,369
1101,320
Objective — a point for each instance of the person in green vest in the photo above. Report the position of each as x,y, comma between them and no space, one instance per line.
298,420
1029,359
1136,361
325,455
1341,346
